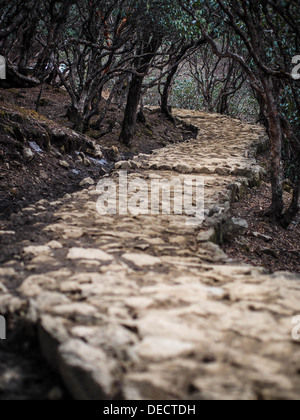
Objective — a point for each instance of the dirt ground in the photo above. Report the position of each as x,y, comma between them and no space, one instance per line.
266,243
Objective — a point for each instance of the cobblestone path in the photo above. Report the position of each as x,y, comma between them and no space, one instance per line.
145,306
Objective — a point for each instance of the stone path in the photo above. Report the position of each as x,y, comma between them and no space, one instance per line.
145,307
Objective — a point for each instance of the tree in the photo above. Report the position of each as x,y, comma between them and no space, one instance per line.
155,32
269,33
15,21
149,45
218,79
178,59
97,41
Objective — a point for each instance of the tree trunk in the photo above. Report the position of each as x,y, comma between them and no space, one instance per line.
276,137
165,109
166,94
130,116
79,123
276,170
293,210
135,90
140,115
223,105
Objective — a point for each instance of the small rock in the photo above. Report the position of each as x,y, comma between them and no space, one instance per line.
153,167
73,309
202,170
244,172
222,171
142,260
43,175
86,162
37,250
206,236
234,228
115,154
56,153
14,192
54,245
3,289
164,167
64,164
7,232
58,134
123,165
86,181
98,152
88,371
28,154
183,169
133,165
264,237
213,211
89,254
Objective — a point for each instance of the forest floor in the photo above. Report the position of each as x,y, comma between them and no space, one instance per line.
24,181
266,244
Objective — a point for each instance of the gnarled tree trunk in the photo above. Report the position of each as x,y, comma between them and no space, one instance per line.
130,115
147,51
276,138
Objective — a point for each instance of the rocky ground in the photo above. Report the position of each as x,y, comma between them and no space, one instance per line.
146,306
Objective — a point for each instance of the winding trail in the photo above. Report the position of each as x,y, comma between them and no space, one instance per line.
145,307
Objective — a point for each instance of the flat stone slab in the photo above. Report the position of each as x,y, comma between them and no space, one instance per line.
142,260
88,254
